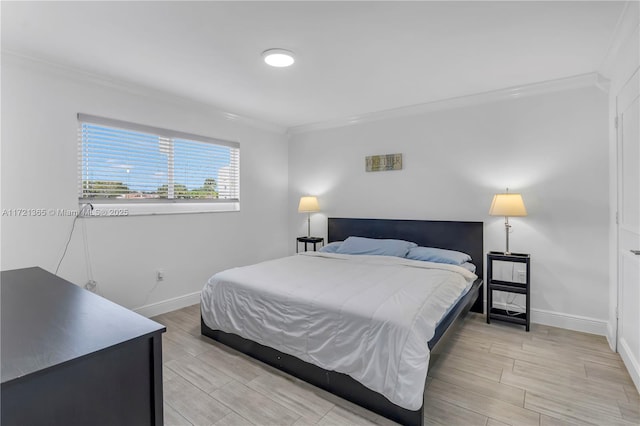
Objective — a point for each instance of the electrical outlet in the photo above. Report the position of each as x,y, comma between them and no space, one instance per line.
159,275
91,285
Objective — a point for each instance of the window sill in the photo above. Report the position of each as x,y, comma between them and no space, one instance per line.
152,209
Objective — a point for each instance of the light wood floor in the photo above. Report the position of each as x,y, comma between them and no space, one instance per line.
486,375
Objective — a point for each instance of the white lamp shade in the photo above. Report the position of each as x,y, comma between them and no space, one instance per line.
507,205
308,205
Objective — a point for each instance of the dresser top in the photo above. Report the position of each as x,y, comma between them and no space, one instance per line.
46,321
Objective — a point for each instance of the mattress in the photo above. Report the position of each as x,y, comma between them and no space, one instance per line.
370,317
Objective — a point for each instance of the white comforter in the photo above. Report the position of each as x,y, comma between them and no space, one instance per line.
366,316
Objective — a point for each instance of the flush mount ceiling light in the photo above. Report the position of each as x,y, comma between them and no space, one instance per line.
278,57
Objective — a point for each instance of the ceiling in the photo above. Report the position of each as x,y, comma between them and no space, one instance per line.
353,58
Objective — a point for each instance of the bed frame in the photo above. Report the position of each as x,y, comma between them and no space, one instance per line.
461,236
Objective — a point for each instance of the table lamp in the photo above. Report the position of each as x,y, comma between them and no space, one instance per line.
308,205
507,204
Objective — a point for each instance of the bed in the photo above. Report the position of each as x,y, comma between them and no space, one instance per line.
399,397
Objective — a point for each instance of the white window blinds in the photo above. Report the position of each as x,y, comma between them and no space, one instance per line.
124,162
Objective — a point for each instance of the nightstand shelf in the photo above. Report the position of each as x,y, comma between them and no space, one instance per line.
503,315
309,240
522,318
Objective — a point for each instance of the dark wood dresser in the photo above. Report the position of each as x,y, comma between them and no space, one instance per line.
70,357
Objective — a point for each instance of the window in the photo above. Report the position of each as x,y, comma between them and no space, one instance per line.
153,170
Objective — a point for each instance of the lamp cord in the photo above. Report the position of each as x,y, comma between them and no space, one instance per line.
73,226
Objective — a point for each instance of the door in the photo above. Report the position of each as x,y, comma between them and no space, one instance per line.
629,224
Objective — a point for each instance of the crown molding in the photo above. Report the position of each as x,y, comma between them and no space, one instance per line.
67,71
603,83
574,82
583,80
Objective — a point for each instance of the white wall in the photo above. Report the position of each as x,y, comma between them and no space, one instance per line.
39,170
550,147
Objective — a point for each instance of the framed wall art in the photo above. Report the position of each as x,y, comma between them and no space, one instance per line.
381,163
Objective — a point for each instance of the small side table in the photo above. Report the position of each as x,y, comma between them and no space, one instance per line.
523,318
309,240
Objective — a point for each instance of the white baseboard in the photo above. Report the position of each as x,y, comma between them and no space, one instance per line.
632,364
570,322
562,320
168,305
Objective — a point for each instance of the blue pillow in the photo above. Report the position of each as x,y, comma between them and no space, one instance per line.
432,254
331,247
374,246
469,267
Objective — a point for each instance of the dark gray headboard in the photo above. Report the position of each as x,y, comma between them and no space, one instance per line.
466,237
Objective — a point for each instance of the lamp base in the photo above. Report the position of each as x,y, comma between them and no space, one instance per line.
506,231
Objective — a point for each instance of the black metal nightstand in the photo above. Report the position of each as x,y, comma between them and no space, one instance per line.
522,318
309,240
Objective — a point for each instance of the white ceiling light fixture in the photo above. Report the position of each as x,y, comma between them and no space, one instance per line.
278,57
